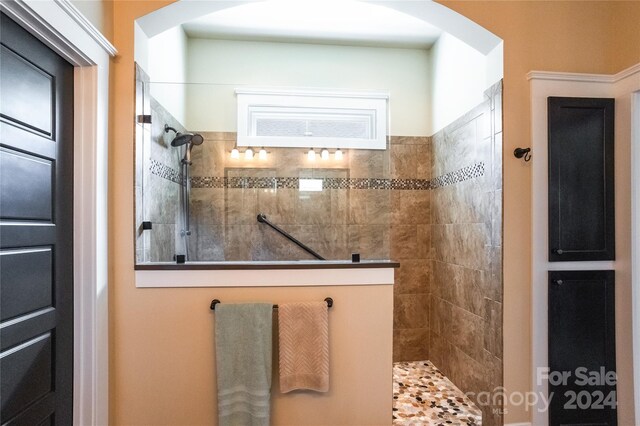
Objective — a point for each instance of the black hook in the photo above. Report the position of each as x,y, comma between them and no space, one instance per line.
523,152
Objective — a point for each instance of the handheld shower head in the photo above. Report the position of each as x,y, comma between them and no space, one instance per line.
197,139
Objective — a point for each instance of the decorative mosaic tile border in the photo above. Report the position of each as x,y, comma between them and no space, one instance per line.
466,173
470,172
165,172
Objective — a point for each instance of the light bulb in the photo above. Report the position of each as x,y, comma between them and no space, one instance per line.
262,154
338,154
324,154
311,155
248,154
235,154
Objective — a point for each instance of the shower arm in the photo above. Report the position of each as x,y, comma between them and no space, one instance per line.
263,219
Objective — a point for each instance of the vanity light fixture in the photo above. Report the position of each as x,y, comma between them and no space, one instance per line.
311,155
262,154
324,154
338,154
235,154
248,154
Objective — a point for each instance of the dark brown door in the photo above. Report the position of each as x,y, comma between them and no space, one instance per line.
36,234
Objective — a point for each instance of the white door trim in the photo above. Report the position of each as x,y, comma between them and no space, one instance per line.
619,86
64,29
540,90
635,241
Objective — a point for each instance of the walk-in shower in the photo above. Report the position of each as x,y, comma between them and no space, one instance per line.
188,140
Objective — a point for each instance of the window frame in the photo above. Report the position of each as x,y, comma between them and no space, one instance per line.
314,102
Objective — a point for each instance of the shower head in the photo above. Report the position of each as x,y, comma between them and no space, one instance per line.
181,139
197,139
184,138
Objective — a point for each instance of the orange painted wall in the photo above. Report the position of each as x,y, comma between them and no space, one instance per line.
572,36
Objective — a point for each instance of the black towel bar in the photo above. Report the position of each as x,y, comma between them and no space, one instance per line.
214,302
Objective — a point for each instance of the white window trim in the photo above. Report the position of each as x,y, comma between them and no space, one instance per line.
375,103
64,29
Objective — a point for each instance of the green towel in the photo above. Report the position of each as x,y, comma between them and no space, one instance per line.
243,356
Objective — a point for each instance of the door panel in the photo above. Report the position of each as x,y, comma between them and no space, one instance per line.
26,278
582,344
26,375
26,186
27,141
36,231
581,175
29,90
16,330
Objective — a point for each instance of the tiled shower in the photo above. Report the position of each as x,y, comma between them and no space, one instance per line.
434,204
349,212
448,240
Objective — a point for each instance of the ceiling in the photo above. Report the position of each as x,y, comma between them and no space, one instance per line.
343,22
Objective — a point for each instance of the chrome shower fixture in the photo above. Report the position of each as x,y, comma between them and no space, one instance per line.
189,140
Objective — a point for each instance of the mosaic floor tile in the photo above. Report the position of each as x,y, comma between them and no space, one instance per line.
422,395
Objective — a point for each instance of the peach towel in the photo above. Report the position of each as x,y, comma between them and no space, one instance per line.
304,346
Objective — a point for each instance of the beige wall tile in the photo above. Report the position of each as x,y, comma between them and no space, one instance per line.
423,161
423,241
367,163
403,162
467,332
371,241
462,244
460,286
404,241
411,311
412,277
493,329
410,207
441,315
410,344
439,353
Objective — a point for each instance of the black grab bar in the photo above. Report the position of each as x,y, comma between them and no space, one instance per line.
263,219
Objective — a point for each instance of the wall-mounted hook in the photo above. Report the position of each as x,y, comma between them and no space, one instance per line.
523,152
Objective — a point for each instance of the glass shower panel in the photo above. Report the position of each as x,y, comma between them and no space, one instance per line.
336,206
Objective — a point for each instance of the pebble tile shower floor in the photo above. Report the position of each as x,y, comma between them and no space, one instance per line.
422,395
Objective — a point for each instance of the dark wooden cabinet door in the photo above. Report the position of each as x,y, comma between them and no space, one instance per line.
581,177
582,347
36,234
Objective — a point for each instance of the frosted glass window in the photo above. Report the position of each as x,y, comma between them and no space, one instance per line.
312,119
